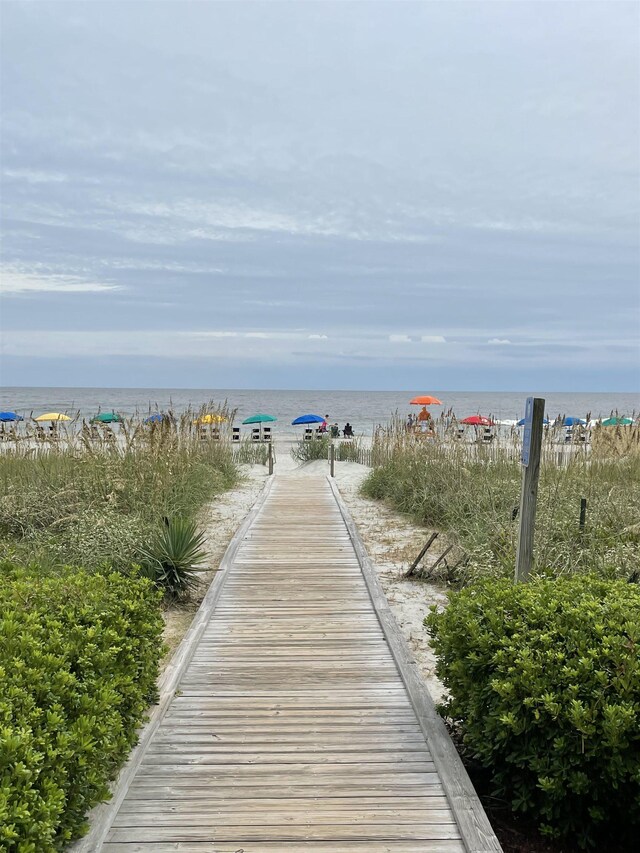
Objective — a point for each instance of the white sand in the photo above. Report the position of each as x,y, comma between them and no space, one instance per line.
391,540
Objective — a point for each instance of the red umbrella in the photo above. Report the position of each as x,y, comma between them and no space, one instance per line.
425,401
478,420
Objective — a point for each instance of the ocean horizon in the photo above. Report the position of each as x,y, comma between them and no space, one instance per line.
363,409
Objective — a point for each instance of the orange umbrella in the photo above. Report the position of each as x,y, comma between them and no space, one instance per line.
425,401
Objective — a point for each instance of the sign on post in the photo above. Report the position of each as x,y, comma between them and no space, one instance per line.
526,438
530,458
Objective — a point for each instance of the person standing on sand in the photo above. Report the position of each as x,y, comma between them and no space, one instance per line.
325,423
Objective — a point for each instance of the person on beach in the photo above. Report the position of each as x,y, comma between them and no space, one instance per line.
424,419
325,423
409,422
335,431
347,432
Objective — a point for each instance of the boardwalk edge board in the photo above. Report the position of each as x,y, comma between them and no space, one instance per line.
475,829
101,816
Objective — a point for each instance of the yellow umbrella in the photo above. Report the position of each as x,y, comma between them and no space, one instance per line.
53,416
210,419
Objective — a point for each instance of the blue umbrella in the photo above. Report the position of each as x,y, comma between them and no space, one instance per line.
307,419
521,421
5,417
155,418
573,422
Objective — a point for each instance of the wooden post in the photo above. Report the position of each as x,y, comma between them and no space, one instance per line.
583,513
414,565
332,458
531,447
270,457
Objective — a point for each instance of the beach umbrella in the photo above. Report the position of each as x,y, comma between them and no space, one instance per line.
425,400
477,420
155,418
6,417
259,419
573,422
521,422
617,422
210,418
53,416
107,418
308,419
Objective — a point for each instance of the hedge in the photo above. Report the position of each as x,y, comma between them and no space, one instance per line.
79,660
544,683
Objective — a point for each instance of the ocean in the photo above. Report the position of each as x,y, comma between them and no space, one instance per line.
363,409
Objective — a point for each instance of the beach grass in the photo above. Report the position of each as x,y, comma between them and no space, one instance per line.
473,499
97,503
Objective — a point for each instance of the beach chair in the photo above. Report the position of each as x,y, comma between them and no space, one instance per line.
235,434
308,434
255,434
266,434
215,433
487,436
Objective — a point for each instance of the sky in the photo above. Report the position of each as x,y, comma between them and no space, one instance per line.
322,195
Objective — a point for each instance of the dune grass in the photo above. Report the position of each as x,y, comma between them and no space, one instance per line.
474,500
85,504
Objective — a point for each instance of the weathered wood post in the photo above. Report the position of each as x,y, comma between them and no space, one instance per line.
270,456
530,458
332,458
583,513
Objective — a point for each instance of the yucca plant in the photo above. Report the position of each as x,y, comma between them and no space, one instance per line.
174,557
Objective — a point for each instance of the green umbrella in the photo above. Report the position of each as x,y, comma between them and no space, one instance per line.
259,419
617,422
107,418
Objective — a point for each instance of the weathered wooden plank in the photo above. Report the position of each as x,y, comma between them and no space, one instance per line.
214,818
226,804
308,832
355,846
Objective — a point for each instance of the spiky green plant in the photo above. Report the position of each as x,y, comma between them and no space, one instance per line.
174,557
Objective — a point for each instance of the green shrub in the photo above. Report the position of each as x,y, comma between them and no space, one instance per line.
78,666
544,681
171,561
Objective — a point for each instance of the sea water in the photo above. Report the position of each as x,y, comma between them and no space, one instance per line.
363,409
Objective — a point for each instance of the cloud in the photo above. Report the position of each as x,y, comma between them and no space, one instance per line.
400,339
12,283
499,341
433,339
318,337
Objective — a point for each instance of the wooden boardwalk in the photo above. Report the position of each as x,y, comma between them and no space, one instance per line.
292,728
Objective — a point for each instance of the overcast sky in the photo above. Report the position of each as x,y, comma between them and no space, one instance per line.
434,195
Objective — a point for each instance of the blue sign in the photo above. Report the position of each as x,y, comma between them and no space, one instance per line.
526,438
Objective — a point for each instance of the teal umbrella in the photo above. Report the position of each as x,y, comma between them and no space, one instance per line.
107,418
617,422
259,419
